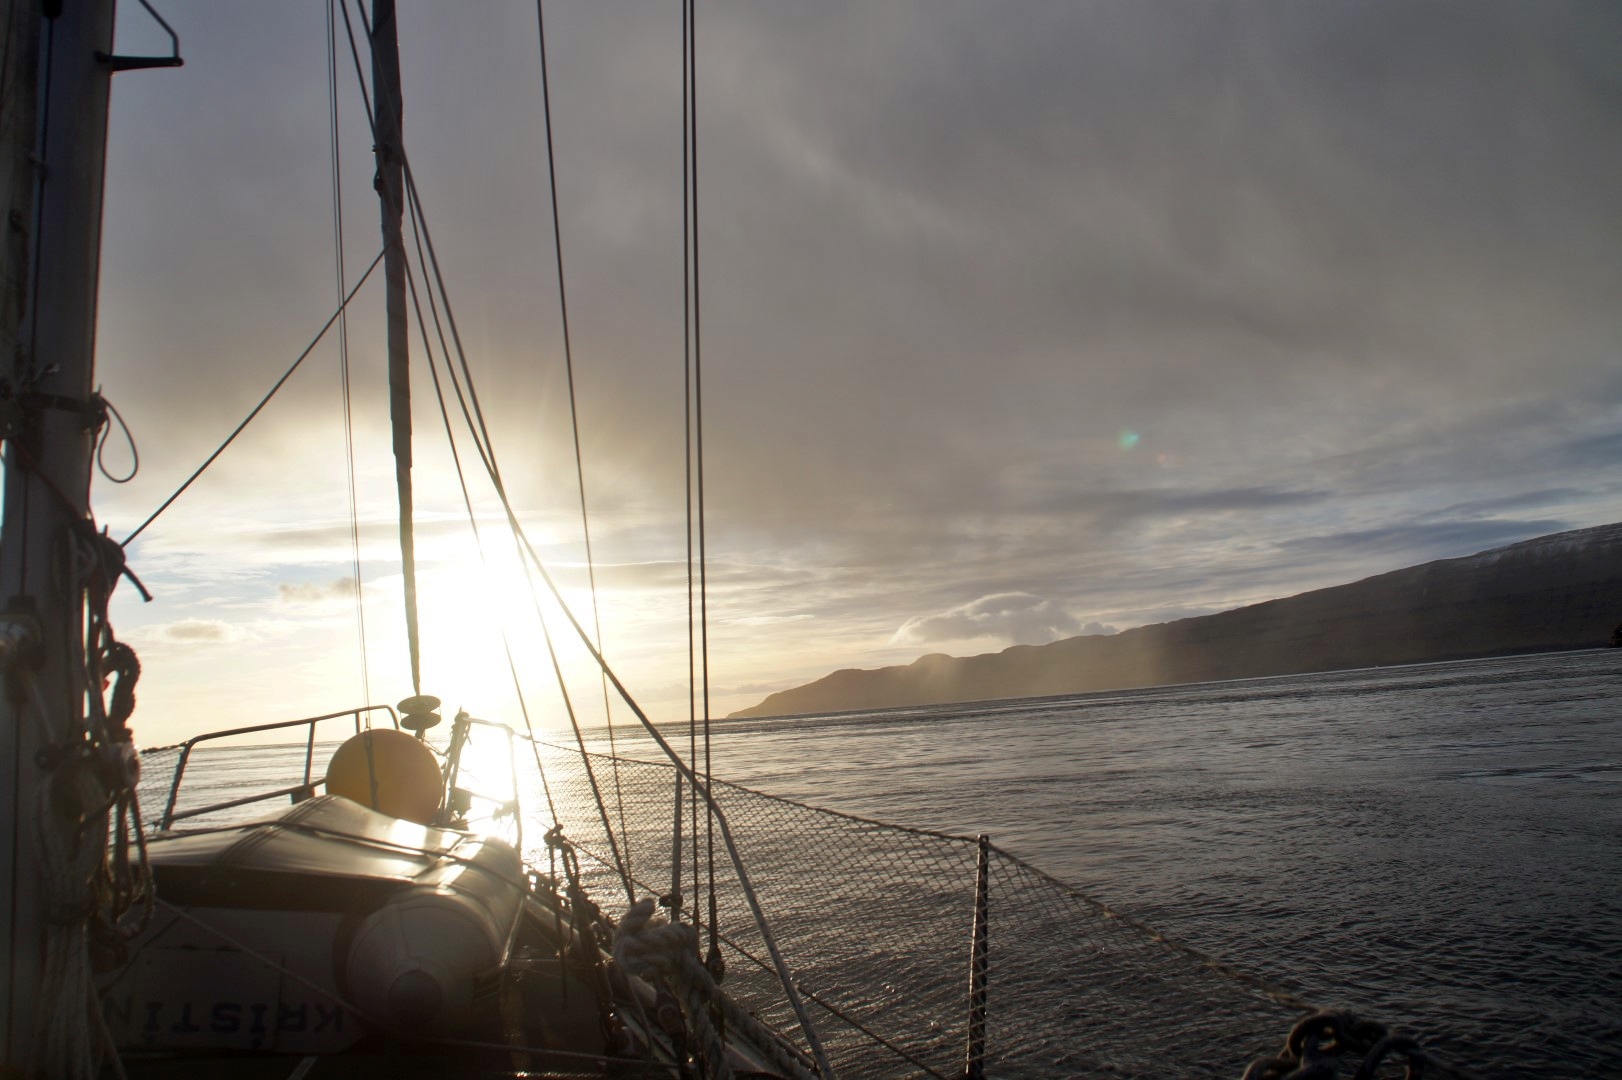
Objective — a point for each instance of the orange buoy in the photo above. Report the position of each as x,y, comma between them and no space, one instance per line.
389,771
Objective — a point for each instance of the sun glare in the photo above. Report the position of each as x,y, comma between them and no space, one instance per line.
463,617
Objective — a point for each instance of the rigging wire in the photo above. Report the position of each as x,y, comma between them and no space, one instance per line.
479,432
467,501
698,462
475,431
478,428
343,342
687,440
621,864
574,417
473,414
229,439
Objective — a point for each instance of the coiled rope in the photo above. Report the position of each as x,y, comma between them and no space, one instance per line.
1320,1046
665,954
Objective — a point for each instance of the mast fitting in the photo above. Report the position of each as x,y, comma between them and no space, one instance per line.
142,63
417,713
19,637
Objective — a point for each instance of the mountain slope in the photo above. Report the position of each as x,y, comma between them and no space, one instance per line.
1560,591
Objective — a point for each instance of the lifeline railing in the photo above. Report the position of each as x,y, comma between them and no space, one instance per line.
170,816
459,797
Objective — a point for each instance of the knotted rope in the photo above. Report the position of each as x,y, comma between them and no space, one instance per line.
1321,1044
665,954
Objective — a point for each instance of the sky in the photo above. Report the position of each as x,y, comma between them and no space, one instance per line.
1019,321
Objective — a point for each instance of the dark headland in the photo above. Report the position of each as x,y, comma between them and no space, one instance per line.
1561,591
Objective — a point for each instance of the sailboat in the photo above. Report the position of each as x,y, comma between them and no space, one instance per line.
369,924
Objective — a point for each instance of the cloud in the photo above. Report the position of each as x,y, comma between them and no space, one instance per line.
1019,618
1347,270
1096,629
1173,614
1522,500
1146,503
314,593
1436,540
192,631
768,620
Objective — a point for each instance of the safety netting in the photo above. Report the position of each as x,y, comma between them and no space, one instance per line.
873,920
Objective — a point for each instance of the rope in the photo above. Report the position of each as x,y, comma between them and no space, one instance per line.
106,434
664,953
229,439
87,820
72,1038
1319,1045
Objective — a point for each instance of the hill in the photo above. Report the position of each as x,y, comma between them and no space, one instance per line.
1562,591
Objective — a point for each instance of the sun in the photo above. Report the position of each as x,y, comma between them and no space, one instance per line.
467,623
480,623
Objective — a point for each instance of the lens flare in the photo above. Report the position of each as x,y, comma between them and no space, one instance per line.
1129,438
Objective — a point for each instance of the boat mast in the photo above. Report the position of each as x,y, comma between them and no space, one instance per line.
55,148
391,197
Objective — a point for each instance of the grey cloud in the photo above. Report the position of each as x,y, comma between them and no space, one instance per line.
1446,539
1095,198
1153,503
1180,209
1539,445
1524,500
1596,451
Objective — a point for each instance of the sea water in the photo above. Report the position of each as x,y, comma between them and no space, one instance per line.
1437,846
